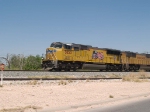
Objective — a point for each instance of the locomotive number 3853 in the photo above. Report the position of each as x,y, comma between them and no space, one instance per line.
68,52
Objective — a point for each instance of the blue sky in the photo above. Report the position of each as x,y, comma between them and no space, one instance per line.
28,27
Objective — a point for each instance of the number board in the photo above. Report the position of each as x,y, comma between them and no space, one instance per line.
68,52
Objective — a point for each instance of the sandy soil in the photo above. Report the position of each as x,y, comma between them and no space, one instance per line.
42,95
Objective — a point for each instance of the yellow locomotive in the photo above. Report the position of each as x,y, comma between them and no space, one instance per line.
71,56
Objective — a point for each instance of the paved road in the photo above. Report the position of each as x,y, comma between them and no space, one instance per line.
140,106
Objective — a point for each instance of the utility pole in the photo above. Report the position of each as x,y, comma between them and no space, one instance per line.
21,59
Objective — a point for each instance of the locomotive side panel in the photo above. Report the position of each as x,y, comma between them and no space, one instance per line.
113,56
62,56
141,59
97,56
103,56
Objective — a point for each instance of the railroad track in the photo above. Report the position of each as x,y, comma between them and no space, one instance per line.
69,71
10,75
25,79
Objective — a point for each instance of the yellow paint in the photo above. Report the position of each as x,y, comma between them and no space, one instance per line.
88,56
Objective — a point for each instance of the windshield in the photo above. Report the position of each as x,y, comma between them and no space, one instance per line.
52,45
67,46
56,45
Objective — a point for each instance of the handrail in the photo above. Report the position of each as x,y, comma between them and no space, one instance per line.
52,57
55,56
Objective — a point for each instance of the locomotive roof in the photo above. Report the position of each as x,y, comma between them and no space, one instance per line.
142,54
73,44
89,46
111,49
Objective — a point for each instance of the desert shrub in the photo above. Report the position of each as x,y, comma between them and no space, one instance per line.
141,77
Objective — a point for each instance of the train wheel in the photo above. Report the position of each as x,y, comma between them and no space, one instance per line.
59,69
108,68
127,70
117,67
124,68
50,70
74,69
120,67
112,67
134,69
67,69
131,68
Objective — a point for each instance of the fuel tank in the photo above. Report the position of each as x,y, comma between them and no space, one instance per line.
94,66
145,67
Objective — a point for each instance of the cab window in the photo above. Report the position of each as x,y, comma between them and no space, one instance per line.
58,46
67,46
76,48
52,45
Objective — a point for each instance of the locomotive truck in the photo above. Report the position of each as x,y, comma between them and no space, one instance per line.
70,56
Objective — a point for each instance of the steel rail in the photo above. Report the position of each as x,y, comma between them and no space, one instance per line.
24,79
66,71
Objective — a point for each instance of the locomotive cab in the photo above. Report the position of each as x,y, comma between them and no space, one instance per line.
53,53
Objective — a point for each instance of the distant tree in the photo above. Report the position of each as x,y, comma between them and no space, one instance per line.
17,62
32,63
14,62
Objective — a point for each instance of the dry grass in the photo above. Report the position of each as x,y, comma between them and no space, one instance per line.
32,82
140,77
114,76
52,76
87,80
70,81
98,76
141,70
21,109
62,82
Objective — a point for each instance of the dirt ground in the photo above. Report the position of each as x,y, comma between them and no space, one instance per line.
62,95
